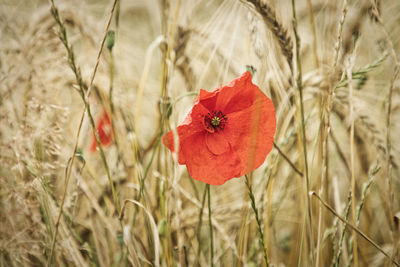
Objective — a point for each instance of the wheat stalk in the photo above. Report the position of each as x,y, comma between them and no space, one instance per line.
276,27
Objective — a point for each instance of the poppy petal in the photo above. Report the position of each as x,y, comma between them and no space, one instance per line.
205,166
207,99
105,131
251,131
237,95
216,143
93,146
191,125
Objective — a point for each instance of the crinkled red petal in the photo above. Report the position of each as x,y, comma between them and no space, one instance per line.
207,99
251,131
216,143
205,166
237,95
192,124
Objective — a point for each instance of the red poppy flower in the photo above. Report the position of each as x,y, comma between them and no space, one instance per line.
104,128
228,132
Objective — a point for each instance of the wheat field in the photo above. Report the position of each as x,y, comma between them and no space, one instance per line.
328,194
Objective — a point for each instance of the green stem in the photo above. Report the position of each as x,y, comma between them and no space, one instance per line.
211,228
112,113
199,226
259,228
85,95
299,83
347,211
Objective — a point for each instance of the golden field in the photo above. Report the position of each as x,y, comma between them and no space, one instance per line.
328,193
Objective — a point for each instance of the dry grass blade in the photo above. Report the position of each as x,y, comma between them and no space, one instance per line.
288,160
63,36
329,139
362,234
352,164
153,224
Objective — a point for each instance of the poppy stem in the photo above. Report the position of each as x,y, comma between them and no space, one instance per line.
199,226
259,228
211,229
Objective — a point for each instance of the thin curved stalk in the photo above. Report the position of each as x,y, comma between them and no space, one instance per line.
84,95
211,227
354,228
199,226
259,228
299,84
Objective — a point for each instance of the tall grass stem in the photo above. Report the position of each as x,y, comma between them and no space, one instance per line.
71,58
211,226
259,228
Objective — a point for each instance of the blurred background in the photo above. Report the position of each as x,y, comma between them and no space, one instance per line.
164,52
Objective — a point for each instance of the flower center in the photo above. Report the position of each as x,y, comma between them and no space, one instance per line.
215,121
